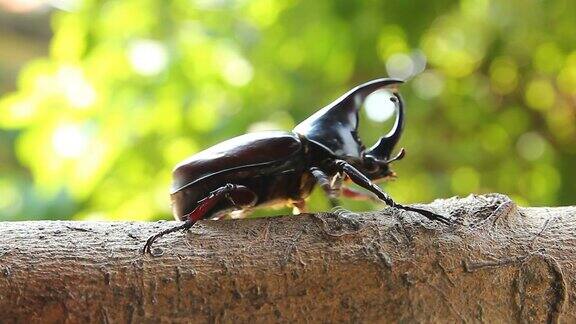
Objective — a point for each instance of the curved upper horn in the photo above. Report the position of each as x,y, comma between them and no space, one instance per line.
382,150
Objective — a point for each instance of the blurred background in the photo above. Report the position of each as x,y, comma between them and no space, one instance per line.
100,99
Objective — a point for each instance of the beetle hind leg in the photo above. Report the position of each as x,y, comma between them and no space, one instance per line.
148,246
237,195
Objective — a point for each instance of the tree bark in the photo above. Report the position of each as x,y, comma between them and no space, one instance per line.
497,263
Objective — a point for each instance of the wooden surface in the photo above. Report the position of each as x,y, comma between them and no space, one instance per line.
505,265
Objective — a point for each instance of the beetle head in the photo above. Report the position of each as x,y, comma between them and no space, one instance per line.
335,128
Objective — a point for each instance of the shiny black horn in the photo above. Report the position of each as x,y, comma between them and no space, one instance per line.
382,150
335,126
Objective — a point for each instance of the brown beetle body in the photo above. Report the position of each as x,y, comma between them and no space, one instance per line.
270,164
282,167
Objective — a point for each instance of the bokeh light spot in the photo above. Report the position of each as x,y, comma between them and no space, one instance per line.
475,8
77,90
399,66
531,146
540,94
548,58
419,61
567,76
237,71
10,201
503,75
148,57
16,112
378,105
541,184
428,84
70,141
495,139
391,41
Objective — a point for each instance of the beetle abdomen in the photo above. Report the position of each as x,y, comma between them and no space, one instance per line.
240,152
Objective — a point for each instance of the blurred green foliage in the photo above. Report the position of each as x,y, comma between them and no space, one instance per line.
132,87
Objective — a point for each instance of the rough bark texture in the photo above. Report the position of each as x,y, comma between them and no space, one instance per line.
505,265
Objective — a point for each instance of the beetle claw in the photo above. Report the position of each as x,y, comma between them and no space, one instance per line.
428,214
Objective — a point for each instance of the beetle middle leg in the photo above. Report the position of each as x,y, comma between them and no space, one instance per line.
239,196
360,179
332,190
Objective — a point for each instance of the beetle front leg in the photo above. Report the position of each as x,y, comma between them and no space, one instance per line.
148,246
244,198
360,179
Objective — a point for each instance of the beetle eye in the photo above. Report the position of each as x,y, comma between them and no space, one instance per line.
370,163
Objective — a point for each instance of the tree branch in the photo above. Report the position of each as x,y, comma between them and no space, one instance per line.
495,265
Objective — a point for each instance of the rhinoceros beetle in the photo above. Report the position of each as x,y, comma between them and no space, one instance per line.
279,167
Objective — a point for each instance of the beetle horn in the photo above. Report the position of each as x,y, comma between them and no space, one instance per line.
382,150
335,126
364,90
